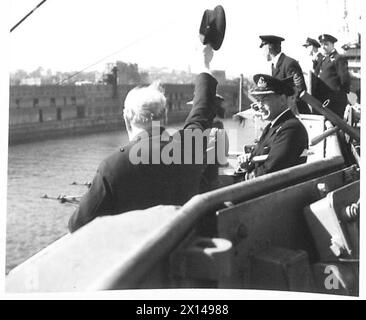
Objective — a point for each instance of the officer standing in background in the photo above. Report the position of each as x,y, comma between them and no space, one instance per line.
284,67
316,57
334,75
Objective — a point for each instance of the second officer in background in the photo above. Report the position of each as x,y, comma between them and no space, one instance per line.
334,76
284,67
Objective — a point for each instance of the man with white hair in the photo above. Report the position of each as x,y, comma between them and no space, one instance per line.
137,176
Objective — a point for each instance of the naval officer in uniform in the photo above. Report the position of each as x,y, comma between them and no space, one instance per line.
282,67
334,76
316,57
284,140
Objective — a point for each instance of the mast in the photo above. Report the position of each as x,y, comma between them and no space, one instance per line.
240,92
298,10
345,18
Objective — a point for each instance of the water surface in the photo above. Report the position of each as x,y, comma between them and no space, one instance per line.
49,167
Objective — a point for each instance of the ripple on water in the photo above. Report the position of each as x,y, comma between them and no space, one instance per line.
49,167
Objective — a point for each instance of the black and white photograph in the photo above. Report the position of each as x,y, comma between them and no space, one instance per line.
206,149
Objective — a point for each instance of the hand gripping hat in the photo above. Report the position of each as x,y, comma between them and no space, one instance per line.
311,42
270,39
213,25
327,37
266,84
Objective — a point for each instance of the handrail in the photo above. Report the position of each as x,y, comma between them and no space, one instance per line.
129,273
323,136
119,258
330,115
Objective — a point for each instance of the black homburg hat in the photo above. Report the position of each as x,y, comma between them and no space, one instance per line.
270,39
311,42
327,37
213,25
265,84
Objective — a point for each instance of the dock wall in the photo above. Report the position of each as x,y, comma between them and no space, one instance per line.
47,112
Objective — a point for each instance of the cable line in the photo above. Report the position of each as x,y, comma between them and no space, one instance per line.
18,23
115,52
100,60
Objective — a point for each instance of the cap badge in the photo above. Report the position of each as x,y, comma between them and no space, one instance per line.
261,83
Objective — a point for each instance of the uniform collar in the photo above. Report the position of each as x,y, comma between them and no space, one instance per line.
316,56
333,53
273,122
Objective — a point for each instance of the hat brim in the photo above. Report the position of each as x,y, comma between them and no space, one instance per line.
270,39
213,26
217,97
262,93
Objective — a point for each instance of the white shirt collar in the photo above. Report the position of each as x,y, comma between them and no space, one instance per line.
274,121
315,56
275,59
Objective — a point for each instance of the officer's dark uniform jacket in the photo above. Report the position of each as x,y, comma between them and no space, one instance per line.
283,142
288,67
335,82
121,186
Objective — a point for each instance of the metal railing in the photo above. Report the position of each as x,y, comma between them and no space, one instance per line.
109,253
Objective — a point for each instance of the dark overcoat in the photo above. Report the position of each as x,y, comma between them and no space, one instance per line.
334,82
120,185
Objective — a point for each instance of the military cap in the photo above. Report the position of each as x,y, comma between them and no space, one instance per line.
212,28
327,37
266,84
311,42
270,39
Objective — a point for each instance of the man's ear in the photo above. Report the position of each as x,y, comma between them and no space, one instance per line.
287,101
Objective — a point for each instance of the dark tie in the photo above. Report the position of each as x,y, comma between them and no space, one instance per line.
273,68
265,131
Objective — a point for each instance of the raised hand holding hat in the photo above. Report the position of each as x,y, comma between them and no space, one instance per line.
212,28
